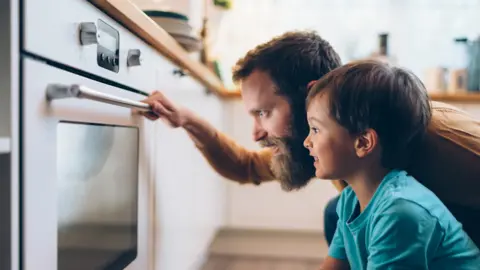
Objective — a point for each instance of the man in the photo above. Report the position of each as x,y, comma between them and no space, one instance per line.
274,79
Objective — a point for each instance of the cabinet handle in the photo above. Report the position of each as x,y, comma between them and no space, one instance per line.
133,58
59,91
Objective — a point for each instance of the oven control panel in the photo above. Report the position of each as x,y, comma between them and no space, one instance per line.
107,39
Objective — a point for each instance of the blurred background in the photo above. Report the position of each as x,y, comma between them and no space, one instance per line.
420,35
436,39
189,217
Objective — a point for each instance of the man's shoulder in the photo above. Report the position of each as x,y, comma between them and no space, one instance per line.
455,126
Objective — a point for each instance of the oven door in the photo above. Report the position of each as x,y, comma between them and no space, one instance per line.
86,174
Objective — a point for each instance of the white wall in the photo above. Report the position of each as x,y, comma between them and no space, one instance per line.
190,195
267,206
421,32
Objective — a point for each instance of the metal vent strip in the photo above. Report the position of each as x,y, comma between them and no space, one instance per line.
82,73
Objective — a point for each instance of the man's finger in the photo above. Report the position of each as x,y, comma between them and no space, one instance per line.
150,115
160,110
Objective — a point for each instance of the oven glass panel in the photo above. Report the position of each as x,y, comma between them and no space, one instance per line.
97,183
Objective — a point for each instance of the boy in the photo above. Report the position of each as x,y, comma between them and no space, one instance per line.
364,119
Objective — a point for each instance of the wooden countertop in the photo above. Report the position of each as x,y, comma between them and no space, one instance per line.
133,18
473,97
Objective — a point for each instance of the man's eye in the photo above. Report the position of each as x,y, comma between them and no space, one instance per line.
262,113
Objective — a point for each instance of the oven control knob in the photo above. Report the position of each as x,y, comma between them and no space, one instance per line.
88,33
133,58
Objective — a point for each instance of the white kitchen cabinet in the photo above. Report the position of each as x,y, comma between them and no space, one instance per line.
190,204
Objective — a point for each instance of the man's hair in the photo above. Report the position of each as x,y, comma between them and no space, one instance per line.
292,60
373,95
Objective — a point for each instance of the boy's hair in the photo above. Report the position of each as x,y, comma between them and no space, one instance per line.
373,95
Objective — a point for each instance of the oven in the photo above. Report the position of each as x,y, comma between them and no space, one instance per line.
86,191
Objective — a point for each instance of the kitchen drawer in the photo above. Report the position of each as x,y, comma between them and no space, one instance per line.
52,31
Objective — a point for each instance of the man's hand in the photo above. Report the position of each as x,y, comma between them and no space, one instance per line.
166,110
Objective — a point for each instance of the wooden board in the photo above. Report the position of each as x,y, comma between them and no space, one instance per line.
460,97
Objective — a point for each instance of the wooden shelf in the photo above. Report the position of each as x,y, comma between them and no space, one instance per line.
4,145
133,18
460,97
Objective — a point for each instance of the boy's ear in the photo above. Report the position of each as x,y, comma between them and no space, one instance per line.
366,142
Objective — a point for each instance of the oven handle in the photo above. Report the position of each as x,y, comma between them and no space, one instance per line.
58,91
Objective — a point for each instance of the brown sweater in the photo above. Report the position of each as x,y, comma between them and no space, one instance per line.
448,162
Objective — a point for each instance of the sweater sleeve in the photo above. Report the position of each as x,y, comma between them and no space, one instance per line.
235,162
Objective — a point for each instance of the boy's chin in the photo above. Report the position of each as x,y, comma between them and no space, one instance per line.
324,175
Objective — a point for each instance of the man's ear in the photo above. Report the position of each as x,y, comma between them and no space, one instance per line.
366,142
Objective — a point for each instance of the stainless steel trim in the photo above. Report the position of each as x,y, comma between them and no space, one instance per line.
59,91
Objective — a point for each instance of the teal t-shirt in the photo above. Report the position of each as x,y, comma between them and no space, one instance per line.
405,226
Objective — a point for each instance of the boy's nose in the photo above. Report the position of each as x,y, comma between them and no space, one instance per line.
307,143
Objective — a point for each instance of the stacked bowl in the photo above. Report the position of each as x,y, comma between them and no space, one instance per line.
177,26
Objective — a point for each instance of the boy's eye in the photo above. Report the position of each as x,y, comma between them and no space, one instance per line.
262,113
314,130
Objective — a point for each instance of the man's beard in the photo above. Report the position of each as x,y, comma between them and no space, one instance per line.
293,165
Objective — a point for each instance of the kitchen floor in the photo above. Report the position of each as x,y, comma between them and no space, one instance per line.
266,250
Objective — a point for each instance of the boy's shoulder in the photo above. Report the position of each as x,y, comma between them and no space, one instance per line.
400,186
405,197
397,192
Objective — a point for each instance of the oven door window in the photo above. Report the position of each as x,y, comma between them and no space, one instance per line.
97,180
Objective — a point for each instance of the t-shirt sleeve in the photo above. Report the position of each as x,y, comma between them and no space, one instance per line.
402,236
337,247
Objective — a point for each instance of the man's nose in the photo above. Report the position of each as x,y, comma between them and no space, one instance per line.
258,132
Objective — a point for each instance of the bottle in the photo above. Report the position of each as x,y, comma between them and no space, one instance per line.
383,54
457,81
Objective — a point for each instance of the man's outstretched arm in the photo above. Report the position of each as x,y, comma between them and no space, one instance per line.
228,158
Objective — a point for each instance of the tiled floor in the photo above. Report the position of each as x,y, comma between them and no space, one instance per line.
266,250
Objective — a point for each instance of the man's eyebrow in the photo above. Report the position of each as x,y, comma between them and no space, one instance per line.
254,111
